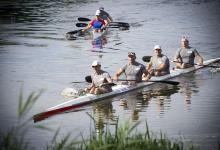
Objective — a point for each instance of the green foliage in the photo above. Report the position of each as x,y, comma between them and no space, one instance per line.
14,139
25,106
126,138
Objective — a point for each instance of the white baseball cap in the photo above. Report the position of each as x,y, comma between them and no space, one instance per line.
97,13
96,63
157,47
184,39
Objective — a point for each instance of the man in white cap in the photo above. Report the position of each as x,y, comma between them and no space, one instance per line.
186,55
105,16
159,64
97,24
133,70
100,80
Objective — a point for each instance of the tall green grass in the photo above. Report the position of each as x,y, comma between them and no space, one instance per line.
125,137
14,138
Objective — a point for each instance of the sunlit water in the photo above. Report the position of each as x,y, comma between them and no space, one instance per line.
34,54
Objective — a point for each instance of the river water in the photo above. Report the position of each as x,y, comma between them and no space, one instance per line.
34,55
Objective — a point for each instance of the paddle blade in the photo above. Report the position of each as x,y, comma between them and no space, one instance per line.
72,35
74,32
88,79
167,82
146,58
119,24
81,24
83,19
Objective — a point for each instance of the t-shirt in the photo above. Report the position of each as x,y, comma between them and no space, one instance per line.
97,24
157,61
187,55
134,71
101,78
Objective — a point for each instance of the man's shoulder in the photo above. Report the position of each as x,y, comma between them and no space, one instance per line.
164,56
104,12
139,64
192,48
180,48
104,72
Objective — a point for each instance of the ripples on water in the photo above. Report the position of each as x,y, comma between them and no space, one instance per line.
34,52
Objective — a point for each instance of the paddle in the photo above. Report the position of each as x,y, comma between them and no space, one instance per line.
147,59
83,19
74,32
200,65
89,79
119,24
82,24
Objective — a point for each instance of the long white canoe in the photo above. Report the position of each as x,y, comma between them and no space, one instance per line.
117,89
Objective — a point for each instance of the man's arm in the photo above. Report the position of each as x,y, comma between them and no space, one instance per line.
118,73
110,18
199,57
88,26
108,78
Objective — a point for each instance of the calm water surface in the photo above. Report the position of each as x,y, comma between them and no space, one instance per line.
34,54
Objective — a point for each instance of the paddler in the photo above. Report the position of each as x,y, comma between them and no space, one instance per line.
105,16
100,80
159,64
186,54
98,24
133,70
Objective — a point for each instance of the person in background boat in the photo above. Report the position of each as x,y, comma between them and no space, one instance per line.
133,70
100,80
185,55
105,16
159,64
98,24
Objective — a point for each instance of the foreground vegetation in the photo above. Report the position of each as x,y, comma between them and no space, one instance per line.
124,138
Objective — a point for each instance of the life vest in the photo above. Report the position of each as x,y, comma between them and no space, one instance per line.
97,24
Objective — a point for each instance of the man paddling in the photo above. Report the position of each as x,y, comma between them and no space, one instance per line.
105,16
133,70
185,55
98,24
100,80
159,64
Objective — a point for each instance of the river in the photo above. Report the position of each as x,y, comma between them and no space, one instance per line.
34,55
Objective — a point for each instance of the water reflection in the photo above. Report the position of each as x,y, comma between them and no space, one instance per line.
99,42
189,86
161,96
157,97
133,103
140,101
103,116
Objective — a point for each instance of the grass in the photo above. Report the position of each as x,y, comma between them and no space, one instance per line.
125,137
